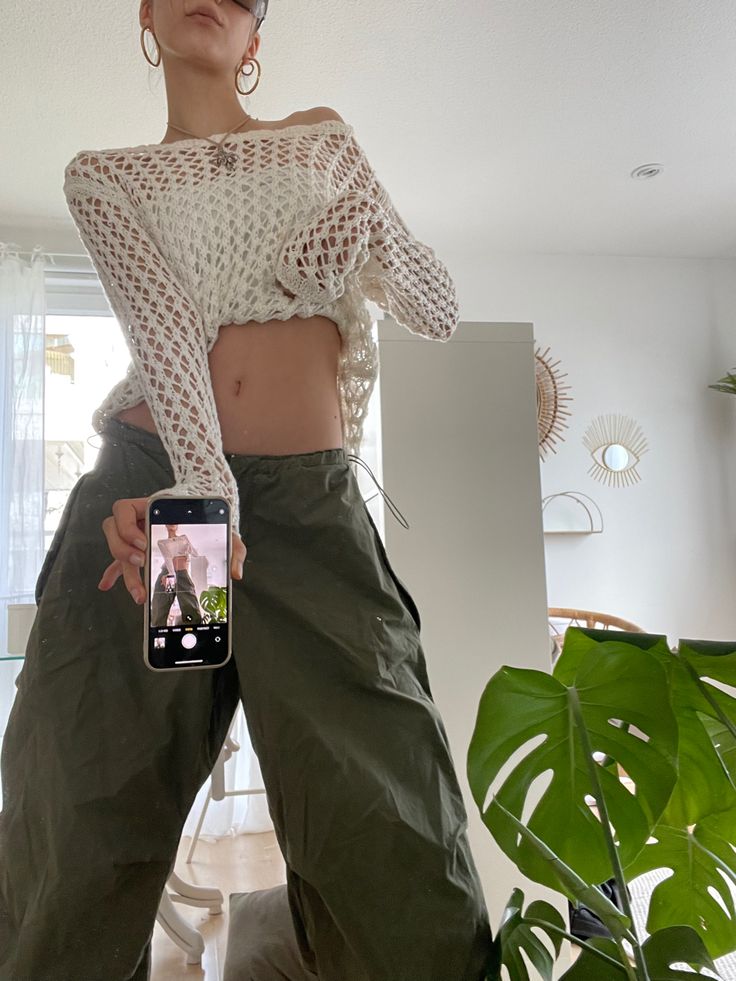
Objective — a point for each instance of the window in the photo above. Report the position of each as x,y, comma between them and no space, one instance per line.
85,357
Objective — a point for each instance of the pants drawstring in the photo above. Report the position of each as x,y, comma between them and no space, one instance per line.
394,510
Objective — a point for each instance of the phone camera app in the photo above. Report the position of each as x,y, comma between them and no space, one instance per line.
189,574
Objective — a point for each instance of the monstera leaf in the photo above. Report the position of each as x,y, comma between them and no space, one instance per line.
572,885
695,835
675,945
588,965
613,683
701,860
516,935
722,737
213,601
702,711
578,645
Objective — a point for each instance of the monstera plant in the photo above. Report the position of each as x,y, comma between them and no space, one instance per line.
666,721
213,602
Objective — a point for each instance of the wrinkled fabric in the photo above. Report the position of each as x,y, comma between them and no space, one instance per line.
261,942
102,758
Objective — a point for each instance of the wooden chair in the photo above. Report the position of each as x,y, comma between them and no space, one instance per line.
583,618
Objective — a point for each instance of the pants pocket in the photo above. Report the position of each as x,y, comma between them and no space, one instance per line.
404,593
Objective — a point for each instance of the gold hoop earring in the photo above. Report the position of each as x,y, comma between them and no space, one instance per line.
240,72
143,45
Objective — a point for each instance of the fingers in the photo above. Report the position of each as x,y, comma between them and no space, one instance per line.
110,576
128,512
129,559
133,581
239,551
131,578
119,547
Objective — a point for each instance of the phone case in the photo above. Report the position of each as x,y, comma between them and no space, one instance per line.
147,580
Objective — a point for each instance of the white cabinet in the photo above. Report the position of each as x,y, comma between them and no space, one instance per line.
460,460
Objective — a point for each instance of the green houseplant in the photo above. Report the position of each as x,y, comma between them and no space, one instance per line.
726,384
213,602
680,813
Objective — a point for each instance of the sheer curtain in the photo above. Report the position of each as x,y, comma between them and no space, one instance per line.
244,814
22,502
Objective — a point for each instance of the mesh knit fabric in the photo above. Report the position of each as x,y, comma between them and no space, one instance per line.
301,226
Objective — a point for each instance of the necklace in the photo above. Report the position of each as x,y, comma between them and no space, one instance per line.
223,156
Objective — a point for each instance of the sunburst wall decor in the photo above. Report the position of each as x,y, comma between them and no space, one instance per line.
551,402
617,444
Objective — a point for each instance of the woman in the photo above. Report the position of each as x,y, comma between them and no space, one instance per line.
174,581
237,255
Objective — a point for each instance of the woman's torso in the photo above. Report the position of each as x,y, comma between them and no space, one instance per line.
274,383
175,545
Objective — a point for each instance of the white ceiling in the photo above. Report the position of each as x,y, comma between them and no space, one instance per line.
496,125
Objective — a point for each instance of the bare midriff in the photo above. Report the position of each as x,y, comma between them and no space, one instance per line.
275,387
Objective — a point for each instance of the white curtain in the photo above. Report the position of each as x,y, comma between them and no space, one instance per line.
247,814
22,502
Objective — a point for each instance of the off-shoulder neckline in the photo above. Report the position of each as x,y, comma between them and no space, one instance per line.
337,124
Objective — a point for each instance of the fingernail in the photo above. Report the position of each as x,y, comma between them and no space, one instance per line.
240,570
140,542
137,559
139,596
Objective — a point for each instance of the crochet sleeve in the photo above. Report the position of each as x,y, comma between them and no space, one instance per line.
163,329
359,234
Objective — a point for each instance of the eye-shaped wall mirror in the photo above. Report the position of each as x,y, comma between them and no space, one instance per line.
616,444
552,399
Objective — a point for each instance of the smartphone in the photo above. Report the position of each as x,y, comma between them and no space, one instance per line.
188,607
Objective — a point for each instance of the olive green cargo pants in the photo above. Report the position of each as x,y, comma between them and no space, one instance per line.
163,599
102,759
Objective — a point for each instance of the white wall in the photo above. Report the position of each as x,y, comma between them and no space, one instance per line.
723,346
643,337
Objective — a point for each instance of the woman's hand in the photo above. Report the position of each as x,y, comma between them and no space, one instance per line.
125,531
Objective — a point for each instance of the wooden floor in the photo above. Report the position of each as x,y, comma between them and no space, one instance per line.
239,864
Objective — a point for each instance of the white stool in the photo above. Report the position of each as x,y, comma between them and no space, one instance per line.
217,782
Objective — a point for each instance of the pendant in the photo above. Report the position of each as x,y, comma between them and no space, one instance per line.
226,157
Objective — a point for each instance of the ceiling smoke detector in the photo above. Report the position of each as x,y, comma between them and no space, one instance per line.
646,171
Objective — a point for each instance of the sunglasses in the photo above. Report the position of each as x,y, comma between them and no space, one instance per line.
256,7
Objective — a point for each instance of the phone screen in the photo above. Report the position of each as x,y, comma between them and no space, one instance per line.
188,622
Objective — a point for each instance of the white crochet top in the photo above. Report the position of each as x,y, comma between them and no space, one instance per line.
297,225
175,545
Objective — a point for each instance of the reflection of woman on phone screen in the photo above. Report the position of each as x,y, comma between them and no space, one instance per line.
176,550
238,255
